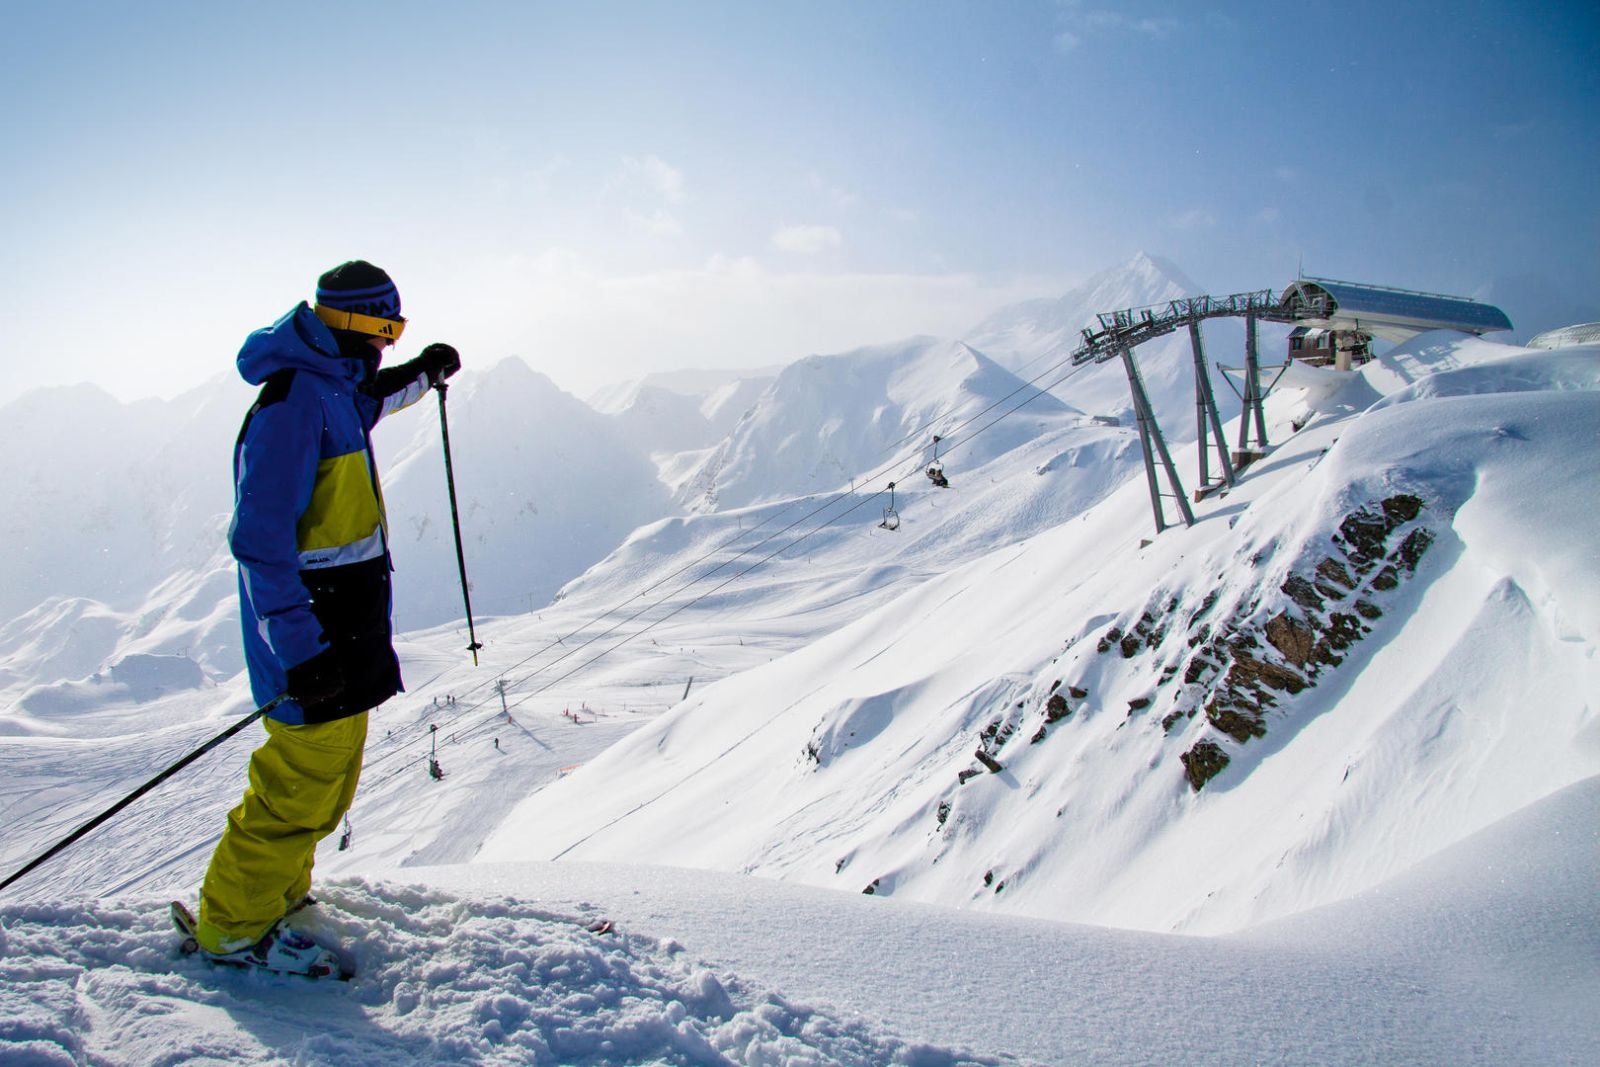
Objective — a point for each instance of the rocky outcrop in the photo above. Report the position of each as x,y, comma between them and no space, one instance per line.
1276,645
1237,666
1203,762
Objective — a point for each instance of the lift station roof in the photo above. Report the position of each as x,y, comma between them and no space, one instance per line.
1392,314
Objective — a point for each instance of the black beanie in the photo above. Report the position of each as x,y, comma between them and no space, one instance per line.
360,287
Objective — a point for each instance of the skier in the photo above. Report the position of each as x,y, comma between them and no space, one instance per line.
311,542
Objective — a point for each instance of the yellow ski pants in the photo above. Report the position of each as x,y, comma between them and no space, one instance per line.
302,781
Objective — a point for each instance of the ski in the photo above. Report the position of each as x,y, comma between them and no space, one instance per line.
299,955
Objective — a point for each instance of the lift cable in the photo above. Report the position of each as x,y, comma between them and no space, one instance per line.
1031,384
461,735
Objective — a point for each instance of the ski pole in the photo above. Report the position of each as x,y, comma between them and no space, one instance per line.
143,789
455,522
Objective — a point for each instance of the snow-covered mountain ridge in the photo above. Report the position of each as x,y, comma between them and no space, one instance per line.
826,421
136,562
1346,627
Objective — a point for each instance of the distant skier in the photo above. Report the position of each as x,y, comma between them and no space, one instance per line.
311,542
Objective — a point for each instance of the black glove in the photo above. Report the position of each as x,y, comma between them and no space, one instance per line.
318,679
439,361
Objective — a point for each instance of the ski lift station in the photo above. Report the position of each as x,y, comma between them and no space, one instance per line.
1338,320
1334,324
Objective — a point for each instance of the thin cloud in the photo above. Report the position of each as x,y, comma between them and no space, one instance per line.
835,195
1075,23
659,223
656,175
590,327
806,240
1195,219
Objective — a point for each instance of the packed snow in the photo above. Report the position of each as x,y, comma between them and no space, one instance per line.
1313,780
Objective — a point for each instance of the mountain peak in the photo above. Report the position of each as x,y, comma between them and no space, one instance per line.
827,420
1020,333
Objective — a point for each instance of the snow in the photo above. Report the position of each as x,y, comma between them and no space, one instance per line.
1483,954
873,722
719,726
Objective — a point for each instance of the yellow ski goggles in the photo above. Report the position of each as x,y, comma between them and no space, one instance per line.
354,320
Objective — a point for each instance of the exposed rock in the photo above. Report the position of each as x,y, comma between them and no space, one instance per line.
1302,592
1236,724
1412,548
1364,533
1248,669
1291,637
1386,579
1203,762
1402,508
1332,571
1056,709
1198,667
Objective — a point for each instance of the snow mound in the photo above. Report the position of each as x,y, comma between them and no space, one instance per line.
440,979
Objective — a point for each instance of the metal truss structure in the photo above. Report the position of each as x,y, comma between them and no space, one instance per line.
1121,332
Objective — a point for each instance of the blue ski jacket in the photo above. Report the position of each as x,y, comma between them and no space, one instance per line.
308,529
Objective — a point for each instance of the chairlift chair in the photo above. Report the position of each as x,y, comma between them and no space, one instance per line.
891,517
935,471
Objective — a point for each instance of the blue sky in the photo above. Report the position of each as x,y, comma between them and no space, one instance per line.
611,188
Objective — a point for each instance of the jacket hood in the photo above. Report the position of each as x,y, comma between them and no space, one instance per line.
298,341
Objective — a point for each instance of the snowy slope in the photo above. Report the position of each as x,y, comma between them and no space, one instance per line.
87,498
545,485
487,964
130,558
830,420
113,527
1402,704
700,385
1388,747
135,564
